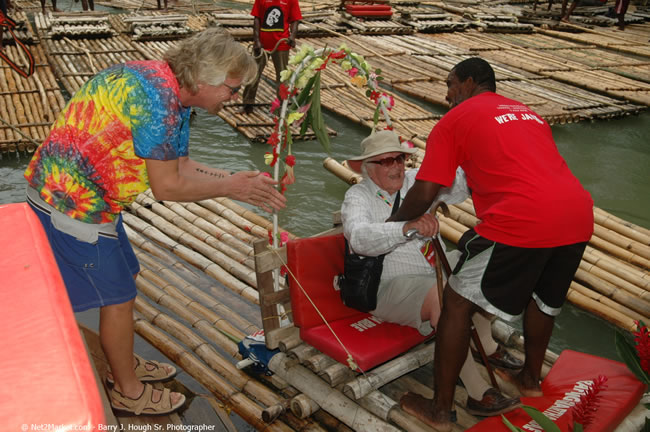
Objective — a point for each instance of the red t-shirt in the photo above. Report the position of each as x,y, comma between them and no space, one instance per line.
523,191
275,17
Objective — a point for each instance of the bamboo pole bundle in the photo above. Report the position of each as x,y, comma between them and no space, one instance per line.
250,216
243,406
189,239
233,217
221,365
619,252
609,277
220,309
606,301
191,213
196,231
613,292
222,224
201,324
195,310
387,372
328,398
628,229
212,269
618,268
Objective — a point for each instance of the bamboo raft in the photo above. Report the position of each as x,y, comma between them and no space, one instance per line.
199,286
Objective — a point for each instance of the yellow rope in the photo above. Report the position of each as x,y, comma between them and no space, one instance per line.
351,362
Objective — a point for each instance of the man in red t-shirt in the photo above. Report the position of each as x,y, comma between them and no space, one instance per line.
274,20
535,221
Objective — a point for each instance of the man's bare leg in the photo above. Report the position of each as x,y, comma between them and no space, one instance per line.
452,344
116,336
537,333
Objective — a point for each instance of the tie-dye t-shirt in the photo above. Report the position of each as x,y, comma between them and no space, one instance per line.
92,163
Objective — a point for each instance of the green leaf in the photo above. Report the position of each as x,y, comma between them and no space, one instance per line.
304,94
541,419
577,427
378,71
380,78
305,123
368,92
627,352
318,124
375,118
510,426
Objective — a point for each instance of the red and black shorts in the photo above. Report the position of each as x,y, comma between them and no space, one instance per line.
502,279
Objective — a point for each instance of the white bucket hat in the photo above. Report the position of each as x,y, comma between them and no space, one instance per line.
385,141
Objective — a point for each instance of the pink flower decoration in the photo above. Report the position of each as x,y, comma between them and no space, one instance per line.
353,72
265,174
275,104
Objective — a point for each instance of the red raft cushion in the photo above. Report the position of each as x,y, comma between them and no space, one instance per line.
44,369
568,379
314,262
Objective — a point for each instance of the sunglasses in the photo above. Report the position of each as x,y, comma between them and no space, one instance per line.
388,162
233,90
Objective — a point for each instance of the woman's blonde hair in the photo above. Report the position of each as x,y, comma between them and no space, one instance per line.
210,57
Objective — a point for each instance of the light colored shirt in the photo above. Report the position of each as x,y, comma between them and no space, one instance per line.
364,212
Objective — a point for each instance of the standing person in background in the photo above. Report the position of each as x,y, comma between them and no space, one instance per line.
564,15
620,8
274,20
54,9
535,221
125,130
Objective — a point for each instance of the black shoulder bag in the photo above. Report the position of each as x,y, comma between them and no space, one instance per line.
361,274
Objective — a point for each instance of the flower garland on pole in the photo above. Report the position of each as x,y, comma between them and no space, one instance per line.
299,104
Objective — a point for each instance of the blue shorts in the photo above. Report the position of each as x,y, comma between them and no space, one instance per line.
95,274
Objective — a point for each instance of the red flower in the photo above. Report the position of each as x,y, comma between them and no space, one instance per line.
337,54
388,128
290,160
283,91
642,340
274,139
584,411
270,237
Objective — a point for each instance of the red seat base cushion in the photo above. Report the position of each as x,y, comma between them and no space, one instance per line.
369,340
569,378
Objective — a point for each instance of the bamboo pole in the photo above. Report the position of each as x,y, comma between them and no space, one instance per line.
328,398
628,229
387,372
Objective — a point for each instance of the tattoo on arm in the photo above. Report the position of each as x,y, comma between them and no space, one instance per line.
210,173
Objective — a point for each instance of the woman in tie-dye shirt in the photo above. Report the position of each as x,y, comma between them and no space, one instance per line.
125,130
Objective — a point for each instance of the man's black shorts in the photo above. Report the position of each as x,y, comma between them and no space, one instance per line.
502,279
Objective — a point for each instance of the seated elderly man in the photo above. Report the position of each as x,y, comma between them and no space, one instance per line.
408,293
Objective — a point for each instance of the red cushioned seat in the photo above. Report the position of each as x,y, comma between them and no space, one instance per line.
369,340
44,368
562,387
314,262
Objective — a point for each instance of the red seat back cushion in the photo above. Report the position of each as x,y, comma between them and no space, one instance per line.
369,340
314,262
562,387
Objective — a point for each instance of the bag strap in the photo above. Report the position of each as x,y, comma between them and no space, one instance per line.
9,24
